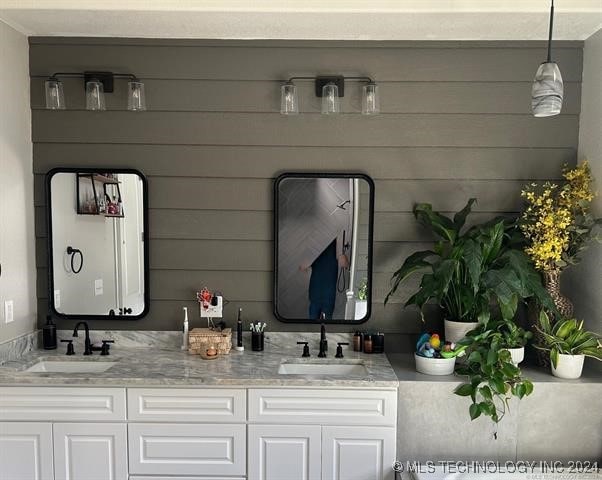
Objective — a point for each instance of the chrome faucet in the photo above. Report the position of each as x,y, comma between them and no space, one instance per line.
87,344
323,342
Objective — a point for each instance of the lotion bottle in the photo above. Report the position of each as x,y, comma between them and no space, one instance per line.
185,330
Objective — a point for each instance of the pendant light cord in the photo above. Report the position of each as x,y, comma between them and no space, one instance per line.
550,33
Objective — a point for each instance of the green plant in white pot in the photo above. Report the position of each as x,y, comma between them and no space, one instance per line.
568,344
470,272
514,339
493,378
361,302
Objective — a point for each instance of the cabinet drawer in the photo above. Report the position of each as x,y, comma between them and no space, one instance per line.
178,449
171,477
187,405
323,407
62,403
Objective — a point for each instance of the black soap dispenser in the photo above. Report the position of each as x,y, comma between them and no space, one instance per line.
49,334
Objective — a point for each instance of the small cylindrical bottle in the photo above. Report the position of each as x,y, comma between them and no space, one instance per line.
368,343
239,346
49,334
358,342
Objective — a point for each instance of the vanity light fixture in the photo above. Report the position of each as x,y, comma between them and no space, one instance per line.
96,85
289,102
548,89
330,89
55,96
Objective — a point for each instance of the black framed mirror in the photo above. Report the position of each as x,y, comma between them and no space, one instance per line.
97,221
323,228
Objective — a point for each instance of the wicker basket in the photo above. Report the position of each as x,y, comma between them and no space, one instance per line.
200,339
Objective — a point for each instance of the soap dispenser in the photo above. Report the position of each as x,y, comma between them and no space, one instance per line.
49,334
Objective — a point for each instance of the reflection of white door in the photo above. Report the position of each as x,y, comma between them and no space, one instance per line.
130,238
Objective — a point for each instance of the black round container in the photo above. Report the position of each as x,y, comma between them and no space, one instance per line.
49,334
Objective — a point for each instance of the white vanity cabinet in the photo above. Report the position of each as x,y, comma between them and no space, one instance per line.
26,451
90,450
358,453
284,433
285,452
70,437
322,434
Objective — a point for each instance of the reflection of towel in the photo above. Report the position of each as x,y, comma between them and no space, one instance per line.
323,281
314,249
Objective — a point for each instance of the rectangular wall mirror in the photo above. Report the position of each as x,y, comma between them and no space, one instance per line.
97,243
323,247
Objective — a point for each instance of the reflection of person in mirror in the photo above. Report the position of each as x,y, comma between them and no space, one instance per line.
323,279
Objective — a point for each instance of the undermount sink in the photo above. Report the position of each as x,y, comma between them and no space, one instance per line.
324,369
89,366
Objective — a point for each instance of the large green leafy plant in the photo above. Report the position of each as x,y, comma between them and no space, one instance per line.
470,269
492,377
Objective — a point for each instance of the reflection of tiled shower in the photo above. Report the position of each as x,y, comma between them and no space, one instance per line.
302,200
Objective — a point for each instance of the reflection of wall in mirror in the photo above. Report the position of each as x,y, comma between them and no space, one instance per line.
361,254
94,236
102,242
312,213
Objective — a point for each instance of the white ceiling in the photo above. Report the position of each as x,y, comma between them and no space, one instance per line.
306,19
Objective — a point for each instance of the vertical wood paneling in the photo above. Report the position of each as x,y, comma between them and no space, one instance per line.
455,124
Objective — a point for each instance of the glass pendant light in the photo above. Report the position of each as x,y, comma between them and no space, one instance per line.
55,97
136,96
331,104
95,95
547,91
370,99
289,103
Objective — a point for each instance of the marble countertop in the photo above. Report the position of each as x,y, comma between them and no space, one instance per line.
167,366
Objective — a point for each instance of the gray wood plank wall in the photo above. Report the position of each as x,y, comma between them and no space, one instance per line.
455,124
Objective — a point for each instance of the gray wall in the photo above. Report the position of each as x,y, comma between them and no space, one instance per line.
455,124
583,283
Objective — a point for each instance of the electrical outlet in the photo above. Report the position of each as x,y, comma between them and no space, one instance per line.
98,287
213,311
8,311
57,298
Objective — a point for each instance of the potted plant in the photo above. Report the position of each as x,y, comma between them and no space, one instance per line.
435,357
557,226
568,344
361,303
469,271
514,339
493,379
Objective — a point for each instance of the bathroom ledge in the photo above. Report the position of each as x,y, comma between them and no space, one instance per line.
169,367
404,367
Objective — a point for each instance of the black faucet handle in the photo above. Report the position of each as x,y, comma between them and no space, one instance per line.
339,353
104,350
70,349
305,349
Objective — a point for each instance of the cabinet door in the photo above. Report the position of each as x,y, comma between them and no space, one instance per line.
278,452
26,451
95,451
358,453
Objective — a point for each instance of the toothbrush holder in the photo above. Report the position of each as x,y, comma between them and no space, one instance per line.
257,339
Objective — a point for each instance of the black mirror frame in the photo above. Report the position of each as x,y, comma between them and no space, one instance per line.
49,251
370,182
